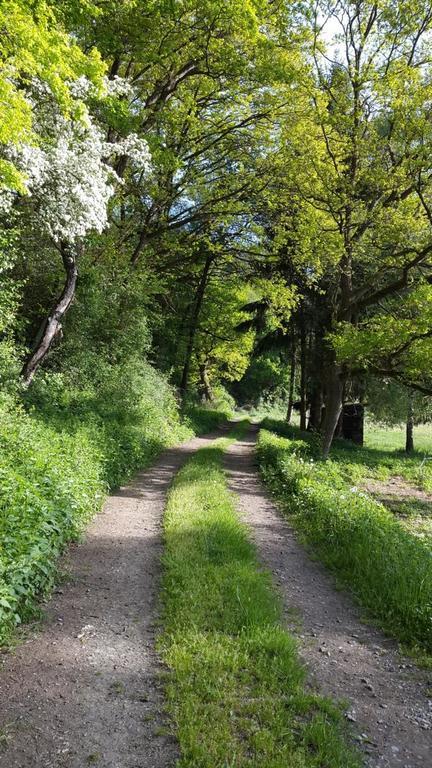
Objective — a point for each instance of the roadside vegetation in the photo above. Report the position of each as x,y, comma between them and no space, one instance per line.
368,548
236,687
57,463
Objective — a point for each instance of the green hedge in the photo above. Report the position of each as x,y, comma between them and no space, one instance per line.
388,569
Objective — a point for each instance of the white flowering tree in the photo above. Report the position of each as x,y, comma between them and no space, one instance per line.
69,180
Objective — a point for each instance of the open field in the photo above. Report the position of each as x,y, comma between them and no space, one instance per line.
393,438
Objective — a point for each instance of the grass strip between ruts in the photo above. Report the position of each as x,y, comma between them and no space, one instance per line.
235,689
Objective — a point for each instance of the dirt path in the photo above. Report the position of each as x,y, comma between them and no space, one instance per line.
84,689
349,660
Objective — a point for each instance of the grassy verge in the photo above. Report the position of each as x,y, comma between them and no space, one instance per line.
393,438
388,569
56,466
236,687
379,462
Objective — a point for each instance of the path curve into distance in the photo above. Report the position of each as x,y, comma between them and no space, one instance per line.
349,660
84,688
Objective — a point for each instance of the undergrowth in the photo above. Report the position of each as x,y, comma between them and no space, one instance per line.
236,686
388,569
58,459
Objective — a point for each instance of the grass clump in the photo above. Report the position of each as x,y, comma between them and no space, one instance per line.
236,689
388,569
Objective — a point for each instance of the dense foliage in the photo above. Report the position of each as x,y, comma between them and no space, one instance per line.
201,196
237,192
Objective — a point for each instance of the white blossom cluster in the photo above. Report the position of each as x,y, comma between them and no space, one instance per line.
6,201
81,87
69,181
136,149
118,86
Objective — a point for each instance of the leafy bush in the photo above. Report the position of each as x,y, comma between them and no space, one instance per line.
59,457
388,569
51,482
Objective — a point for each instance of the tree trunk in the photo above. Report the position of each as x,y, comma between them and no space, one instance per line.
194,323
52,325
409,439
303,376
316,404
315,384
205,389
333,405
292,381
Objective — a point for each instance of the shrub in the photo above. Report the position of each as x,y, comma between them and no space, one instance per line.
202,418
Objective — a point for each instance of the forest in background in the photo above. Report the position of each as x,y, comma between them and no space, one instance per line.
215,195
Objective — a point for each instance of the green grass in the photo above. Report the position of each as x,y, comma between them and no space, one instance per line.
388,568
393,438
359,463
235,689
201,420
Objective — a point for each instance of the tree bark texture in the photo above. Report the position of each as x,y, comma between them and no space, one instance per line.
333,407
291,381
303,372
409,436
53,323
205,389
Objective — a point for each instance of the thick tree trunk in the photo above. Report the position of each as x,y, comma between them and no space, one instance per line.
291,381
205,389
335,377
194,323
316,405
333,405
409,438
303,373
52,325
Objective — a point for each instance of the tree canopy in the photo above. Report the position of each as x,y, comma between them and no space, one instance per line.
240,192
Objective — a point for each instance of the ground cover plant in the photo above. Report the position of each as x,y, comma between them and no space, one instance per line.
401,481
235,689
388,568
56,466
